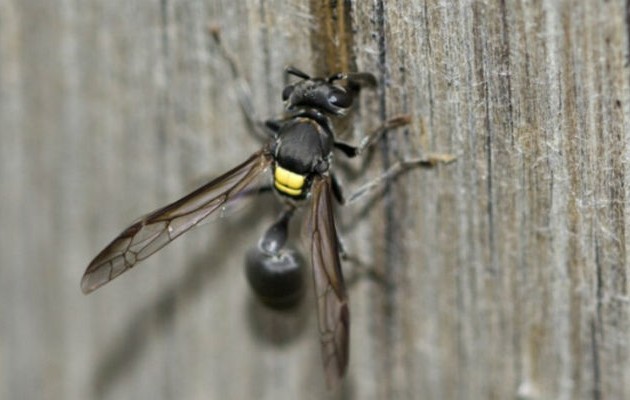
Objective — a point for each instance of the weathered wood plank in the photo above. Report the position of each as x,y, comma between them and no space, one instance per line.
505,273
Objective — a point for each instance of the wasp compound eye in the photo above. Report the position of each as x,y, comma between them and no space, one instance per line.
339,98
278,280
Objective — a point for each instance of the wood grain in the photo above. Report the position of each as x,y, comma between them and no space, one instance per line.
503,275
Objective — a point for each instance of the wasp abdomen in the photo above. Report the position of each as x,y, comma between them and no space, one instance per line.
278,280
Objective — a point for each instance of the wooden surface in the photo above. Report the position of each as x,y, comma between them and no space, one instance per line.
506,274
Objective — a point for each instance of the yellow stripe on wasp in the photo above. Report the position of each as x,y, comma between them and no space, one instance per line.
288,182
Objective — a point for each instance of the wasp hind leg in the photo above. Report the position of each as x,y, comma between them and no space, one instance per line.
359,268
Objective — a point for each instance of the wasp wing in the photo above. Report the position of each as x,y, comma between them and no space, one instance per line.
157,229
332,301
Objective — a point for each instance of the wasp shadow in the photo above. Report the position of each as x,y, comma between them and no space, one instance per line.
278,327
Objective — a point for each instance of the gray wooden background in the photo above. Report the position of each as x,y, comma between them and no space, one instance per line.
506,274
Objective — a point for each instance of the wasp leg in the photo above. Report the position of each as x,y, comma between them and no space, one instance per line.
243,91
337,189
358,268
353,151
430,161
361,271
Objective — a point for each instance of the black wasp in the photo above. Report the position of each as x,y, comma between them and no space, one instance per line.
299,156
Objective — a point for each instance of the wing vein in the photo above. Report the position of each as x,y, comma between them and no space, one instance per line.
159,228
332,303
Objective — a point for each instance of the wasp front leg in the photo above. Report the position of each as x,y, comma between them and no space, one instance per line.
243,91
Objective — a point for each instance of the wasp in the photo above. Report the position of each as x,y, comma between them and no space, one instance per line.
298,157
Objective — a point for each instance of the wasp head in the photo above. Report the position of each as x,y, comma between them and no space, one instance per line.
318,93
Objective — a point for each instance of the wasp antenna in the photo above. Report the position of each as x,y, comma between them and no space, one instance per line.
362,79
296,72
337,77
